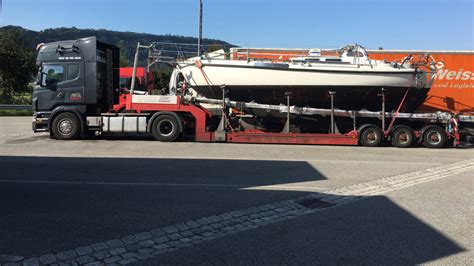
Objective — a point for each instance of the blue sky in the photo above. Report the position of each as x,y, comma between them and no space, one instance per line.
402,24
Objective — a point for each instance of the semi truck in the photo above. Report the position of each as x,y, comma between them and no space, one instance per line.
78,94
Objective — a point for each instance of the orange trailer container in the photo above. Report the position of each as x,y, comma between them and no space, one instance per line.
453,87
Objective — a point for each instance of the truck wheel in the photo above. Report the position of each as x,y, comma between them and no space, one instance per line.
371,136
65,126
402,137
165,128
434,137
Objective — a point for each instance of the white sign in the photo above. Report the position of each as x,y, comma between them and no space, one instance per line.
156,99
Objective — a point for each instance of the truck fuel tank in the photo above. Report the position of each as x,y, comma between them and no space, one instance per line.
119,123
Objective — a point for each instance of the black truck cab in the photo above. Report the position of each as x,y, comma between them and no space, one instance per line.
75,78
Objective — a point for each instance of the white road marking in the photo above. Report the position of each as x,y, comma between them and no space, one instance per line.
231,158
300,160
63,182
287,187
240,186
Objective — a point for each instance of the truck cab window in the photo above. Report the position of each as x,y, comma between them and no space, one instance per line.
124,82
52,74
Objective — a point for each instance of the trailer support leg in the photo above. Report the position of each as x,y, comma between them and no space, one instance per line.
286,129
382,94
354,122
220,133
333,125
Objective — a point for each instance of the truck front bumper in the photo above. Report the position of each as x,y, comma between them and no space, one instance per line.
40,121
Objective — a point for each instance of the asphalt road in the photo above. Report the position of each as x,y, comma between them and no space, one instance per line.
59,195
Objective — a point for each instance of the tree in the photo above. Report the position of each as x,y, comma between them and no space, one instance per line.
17,64
213,47
161,77
124,62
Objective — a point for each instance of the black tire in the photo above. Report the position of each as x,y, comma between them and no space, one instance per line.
66,126
166,128
434,137
371,136
402,137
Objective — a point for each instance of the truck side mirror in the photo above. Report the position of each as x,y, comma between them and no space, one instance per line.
41,79
44,81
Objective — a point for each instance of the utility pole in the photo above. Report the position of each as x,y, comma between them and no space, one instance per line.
200,28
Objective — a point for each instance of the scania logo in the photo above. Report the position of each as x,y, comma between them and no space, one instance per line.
454,75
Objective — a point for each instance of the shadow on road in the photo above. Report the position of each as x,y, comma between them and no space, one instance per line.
373,231
187,171
76,205
65,211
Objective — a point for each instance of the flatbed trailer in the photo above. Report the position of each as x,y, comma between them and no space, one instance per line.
169,117
178,114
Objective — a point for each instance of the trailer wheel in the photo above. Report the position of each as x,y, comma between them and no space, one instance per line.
371,136
165,128
402,137
65,126
434,137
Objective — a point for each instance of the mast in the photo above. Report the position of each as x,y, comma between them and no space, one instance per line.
200,28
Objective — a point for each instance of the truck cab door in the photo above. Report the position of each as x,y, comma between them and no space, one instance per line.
59,84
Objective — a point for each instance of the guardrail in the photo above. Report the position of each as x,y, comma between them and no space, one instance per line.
14,107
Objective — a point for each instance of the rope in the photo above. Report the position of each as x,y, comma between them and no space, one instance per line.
199,66
398,110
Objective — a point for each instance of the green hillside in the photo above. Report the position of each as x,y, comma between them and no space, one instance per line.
127,41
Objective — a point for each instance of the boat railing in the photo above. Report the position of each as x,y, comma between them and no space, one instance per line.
169,52
182,51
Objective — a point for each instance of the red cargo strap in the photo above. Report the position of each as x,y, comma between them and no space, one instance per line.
398,111
199,65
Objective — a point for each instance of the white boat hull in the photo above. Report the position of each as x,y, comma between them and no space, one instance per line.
356,87
241,75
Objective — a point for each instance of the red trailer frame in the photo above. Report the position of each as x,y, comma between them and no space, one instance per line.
201,115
